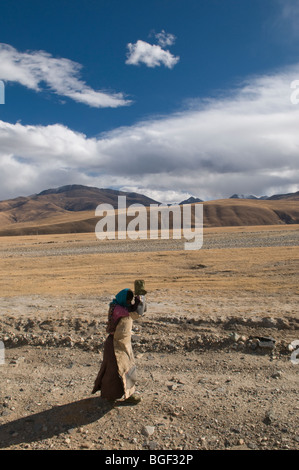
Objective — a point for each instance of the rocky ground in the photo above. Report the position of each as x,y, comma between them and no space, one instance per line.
214,372
205,384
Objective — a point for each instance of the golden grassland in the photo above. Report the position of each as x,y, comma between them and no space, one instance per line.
54,265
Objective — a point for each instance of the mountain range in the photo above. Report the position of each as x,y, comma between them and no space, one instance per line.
71,209
291,196
63,200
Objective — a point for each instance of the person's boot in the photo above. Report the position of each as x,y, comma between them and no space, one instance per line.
133,400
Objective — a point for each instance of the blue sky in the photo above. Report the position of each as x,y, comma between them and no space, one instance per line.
170,98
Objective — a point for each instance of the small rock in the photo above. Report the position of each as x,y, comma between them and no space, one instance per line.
153,445
86,446
71,430
148,430
236,429
17,361
269,417
276,375
235,337
135,337
269,322
268,343
252,446
227,442
172,387
253,344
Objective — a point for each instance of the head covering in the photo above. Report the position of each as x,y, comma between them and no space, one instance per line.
121,298
118,308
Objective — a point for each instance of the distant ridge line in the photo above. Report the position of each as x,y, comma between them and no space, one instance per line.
71,209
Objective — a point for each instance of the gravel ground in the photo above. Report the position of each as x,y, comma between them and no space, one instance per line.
211,241
202,387
214,371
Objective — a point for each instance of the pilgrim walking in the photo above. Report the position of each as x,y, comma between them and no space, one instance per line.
117,375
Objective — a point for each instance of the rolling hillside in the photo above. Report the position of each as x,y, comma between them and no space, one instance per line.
63,201
71,209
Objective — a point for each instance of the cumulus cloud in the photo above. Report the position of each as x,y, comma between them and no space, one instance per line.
152,55
245,141
165,39
33,69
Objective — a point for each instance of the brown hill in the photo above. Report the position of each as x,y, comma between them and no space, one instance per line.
289,196
242,212
62,201
82,198
64,211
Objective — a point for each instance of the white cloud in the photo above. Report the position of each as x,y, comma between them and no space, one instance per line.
153,55
245,142
32,69
165,39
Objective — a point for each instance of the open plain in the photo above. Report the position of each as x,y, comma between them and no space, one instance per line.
213,349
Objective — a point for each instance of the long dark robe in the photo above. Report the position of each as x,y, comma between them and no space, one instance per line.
117,374
108,380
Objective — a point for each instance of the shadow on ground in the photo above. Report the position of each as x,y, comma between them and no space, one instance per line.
54,421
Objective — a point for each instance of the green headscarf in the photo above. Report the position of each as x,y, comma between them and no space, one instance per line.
121,298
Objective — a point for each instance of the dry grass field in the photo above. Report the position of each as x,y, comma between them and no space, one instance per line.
206,381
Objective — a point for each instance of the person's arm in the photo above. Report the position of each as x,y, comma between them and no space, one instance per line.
138,308
135,315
